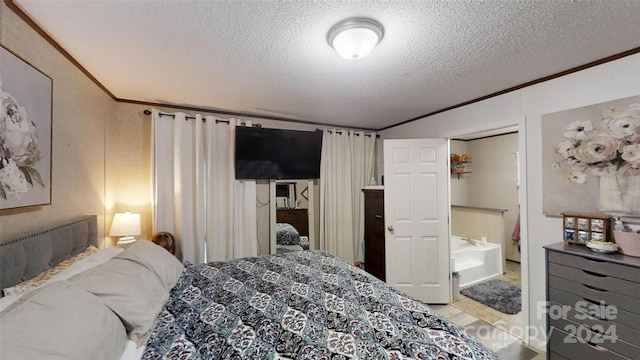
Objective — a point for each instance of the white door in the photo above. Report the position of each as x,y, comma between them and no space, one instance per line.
416,212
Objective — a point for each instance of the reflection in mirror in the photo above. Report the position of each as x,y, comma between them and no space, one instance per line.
286,195
292,216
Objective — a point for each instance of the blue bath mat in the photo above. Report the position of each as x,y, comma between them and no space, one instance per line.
498,294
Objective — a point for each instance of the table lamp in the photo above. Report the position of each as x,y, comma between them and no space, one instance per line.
126,225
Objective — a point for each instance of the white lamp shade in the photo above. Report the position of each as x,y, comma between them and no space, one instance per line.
355,38
126,224
355,43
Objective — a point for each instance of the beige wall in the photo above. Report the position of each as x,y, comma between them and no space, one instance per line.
475,223
128,163
493,182
81,111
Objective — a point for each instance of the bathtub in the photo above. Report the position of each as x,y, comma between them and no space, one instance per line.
475,263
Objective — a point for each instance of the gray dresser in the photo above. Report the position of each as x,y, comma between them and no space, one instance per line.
593,304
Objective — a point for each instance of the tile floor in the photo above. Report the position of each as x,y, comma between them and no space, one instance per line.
499,332
506,322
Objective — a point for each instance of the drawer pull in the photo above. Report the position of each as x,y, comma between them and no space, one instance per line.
605,333
593,274
378,216
599,303
596,346
594,288
593,260
597,329
595,313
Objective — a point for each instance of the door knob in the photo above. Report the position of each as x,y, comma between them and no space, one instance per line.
390,228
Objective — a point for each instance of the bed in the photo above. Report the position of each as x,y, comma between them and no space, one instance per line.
288,239
142,303
292,230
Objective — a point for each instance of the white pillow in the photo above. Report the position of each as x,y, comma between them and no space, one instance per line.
60,321
130,290
87,263
155,258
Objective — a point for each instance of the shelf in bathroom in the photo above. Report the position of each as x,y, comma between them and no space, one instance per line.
480,208
459,164
460,173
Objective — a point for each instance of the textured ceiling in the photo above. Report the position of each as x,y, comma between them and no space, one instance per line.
272,58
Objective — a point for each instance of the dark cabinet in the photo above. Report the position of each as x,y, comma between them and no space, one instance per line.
298,218
374,252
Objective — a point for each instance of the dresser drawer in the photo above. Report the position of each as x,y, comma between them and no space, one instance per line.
594,304
374,202
375,209
580,315
607,334
571,347
594,294
298,218
374,263
374,258
374,240
601,267
627,319
374,225
597,280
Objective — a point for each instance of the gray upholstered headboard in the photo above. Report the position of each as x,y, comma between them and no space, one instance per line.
25,257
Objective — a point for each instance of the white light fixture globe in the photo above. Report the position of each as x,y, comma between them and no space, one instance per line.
355,38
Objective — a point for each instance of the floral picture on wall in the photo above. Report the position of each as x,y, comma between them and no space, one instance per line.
591,159
25,133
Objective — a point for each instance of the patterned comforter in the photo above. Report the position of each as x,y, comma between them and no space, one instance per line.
286,234
302,305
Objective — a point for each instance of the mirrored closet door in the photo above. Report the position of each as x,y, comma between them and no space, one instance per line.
291,215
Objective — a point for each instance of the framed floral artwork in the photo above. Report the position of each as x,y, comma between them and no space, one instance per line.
591,159
25,133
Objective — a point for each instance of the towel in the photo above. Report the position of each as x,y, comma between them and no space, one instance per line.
516,232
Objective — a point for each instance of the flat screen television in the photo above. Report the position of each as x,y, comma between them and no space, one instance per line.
276,154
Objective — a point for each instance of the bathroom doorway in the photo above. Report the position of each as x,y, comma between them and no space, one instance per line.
485,205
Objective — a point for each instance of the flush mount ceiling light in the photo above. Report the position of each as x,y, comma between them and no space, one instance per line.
355,38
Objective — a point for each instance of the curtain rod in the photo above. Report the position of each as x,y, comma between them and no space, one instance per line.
148,112
356,134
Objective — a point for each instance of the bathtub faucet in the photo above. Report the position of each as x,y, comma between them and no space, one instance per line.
470,241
